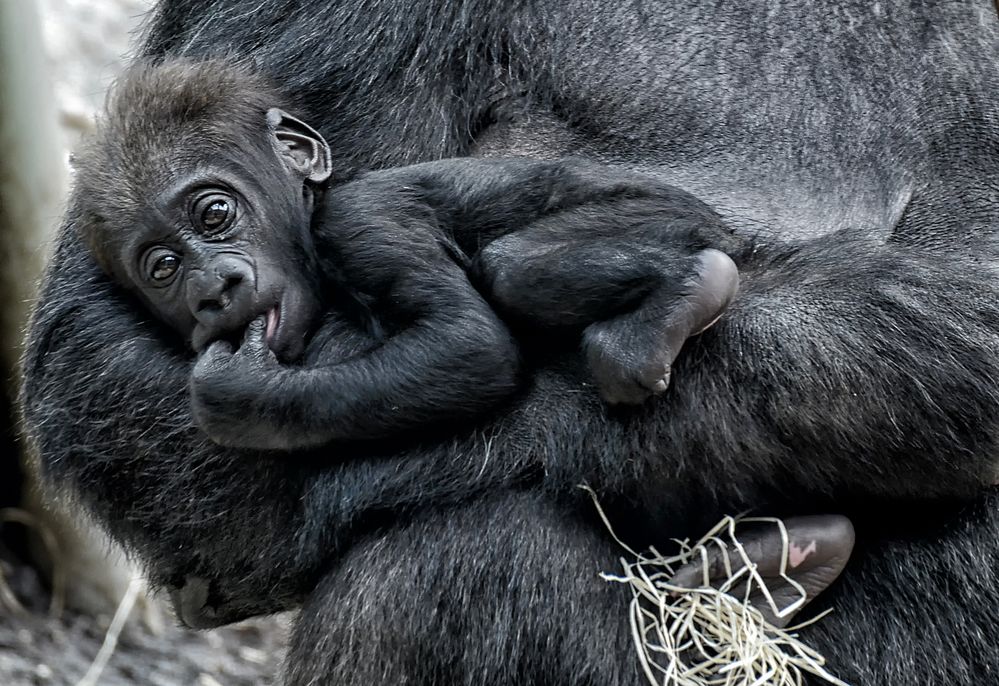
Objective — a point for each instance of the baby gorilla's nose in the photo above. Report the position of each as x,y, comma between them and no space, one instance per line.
221,297
219,294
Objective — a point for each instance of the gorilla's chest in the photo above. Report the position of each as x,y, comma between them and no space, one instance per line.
841,123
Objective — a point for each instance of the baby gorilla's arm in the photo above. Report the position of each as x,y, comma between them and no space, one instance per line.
442,352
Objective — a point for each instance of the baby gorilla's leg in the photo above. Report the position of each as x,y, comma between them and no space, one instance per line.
636,301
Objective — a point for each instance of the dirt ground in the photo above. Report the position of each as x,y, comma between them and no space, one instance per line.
36,649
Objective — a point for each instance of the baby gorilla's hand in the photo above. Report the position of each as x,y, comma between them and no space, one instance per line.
228,389
252,359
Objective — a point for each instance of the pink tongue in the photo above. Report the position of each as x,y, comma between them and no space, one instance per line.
272,324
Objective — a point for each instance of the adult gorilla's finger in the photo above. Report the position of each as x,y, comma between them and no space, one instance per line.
817,551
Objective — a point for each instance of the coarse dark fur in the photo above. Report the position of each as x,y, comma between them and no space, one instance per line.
854,144
566,247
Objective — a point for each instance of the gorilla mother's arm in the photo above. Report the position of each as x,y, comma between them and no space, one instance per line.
846,365
849,363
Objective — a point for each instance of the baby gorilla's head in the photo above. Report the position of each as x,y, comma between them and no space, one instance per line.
197,194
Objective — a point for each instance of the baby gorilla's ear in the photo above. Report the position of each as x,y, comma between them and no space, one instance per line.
301,147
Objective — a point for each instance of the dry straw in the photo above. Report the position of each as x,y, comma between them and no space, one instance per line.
704,636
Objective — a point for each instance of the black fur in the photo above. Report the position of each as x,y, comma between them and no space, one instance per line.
854,145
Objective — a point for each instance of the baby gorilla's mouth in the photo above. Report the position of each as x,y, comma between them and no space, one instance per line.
286,323
273,320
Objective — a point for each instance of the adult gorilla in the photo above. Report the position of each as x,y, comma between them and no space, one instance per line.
856,144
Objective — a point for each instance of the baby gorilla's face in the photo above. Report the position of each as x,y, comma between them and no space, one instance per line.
221,233
218,250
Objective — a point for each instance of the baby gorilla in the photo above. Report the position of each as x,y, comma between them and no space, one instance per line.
220,212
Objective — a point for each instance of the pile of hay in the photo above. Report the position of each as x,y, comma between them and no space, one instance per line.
704,636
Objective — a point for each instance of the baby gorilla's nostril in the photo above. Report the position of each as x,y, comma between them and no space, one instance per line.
210,304
231,282
224,297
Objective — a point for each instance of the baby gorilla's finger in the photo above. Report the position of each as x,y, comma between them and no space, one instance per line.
218,349
255,337
215,355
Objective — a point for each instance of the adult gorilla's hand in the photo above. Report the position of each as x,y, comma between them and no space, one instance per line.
812,556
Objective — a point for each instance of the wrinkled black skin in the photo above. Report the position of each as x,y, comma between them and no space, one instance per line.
854,144
563,247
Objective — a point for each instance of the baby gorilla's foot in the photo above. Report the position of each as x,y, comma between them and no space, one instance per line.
630,356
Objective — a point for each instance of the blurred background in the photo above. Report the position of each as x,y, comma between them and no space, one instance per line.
72,609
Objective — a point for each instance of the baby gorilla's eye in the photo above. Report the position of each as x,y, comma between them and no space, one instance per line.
213,213
165,267
161,265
